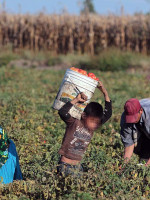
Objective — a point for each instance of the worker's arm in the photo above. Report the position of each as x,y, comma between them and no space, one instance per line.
148,162
128,151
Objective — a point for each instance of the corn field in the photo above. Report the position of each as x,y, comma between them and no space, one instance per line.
64,34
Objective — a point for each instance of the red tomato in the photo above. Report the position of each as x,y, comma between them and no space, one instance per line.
95,78
74,69
91,75
81,71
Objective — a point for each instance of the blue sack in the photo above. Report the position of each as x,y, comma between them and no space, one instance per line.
11,170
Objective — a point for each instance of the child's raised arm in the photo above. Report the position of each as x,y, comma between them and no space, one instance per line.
103,90
108,107
64,111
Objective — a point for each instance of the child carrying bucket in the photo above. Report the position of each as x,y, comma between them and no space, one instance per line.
79,132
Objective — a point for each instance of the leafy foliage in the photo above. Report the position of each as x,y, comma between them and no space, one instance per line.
109,60
88,7
26,98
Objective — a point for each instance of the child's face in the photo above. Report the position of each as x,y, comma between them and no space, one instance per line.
92,123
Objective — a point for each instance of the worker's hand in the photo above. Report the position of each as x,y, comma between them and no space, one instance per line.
103,90
81,98
101,87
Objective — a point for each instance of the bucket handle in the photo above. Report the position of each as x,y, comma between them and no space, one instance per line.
75,87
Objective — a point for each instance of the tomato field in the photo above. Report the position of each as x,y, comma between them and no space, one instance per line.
26,98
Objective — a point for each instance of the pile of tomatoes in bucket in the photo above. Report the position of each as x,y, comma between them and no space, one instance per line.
83,72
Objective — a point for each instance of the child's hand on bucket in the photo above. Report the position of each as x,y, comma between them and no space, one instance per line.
81,98
103,90
101,87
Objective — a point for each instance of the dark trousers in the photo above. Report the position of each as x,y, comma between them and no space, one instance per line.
65,169
143,147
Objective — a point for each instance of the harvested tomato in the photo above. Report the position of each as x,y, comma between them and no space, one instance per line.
91,75
74,69
94,78
81,71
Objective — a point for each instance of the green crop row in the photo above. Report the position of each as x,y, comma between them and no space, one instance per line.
26,98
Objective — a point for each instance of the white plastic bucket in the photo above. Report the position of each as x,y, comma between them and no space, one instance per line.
68,91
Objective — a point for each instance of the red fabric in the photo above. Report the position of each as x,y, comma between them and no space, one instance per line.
132,107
